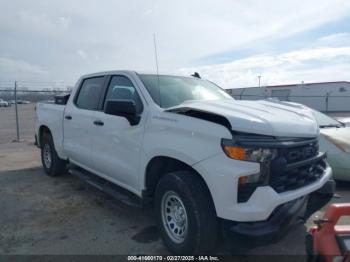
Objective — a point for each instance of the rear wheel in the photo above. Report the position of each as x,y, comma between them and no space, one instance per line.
185,214
53,165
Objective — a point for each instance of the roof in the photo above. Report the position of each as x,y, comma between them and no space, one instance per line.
308,84
129,72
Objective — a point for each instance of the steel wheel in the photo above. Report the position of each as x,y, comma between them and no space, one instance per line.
47,155
174,217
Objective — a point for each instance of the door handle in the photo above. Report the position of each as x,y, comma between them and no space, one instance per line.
68,117
98,123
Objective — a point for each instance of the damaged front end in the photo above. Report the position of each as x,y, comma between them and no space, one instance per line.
292,163
295,163
282,219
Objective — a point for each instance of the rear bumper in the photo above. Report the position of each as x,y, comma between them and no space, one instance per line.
284,216
36,141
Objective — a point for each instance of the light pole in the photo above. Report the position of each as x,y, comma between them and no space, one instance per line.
259,80
327,99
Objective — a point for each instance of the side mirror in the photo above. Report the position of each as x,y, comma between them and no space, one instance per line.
123,108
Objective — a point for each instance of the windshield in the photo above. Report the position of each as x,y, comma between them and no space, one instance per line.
169,91
325,121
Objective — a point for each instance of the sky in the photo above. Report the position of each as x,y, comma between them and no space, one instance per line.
228,42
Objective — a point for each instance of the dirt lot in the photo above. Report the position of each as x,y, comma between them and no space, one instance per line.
44,215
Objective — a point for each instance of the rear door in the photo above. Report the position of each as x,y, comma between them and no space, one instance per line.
78,121
117,145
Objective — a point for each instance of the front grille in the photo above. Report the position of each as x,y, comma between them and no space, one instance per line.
296,154
297,164
286,180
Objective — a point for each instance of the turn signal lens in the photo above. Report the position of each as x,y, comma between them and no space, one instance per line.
242,180
249,154
235,152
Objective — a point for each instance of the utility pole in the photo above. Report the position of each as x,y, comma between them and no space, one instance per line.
327,99
259,80
17,127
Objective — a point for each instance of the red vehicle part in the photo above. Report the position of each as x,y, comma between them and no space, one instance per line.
328,239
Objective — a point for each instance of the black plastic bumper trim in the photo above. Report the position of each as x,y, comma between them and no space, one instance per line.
36,141
284,216
279,220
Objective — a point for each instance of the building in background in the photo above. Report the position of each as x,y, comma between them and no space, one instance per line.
324,96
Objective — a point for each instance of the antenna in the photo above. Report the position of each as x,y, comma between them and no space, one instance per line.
155,52
156,57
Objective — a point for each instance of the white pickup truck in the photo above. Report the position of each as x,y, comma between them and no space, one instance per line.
210,164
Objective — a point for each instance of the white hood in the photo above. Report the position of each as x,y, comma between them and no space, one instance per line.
272,118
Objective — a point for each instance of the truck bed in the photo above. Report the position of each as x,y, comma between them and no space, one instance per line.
51,115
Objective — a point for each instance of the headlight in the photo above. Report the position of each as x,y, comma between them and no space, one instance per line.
250,154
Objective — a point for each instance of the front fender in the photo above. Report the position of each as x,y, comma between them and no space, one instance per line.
189,140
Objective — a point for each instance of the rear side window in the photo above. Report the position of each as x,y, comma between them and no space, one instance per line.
89,93
121,88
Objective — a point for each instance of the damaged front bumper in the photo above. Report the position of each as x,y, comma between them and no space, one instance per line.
284,217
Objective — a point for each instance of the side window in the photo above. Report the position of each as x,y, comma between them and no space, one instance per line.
121,88
89,93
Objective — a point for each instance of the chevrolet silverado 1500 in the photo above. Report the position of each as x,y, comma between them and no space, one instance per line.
209,163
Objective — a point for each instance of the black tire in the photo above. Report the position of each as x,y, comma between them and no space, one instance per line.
202,229
57,166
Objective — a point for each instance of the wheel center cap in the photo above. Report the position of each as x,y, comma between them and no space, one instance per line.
178,215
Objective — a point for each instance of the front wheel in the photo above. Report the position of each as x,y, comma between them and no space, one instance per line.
185,213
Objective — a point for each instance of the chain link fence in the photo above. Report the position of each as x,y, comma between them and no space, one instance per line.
17,106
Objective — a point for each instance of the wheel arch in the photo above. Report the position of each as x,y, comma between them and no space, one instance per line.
158,166
42,129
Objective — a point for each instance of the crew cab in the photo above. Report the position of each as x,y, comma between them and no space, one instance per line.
207,162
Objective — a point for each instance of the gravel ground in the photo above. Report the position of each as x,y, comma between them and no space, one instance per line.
63,215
